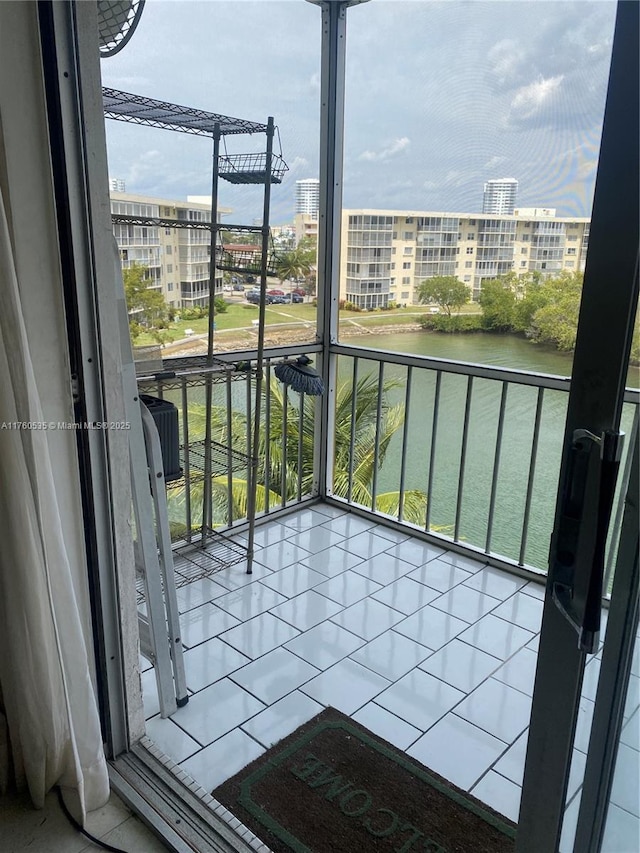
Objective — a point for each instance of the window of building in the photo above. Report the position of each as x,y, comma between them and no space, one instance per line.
572,238
468,264
467,278
571,251
471,235
472,222
523,251
406,279
392,281
570,264
404,294
393,250
167,231
469,250
408,250
409,220
393,266
406,265
407,235
168,250
395,235
169,286
523,264
169,268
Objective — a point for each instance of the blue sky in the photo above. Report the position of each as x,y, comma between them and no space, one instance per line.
441,96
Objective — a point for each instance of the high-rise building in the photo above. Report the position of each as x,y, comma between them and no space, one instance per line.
500,196
308,197
117,185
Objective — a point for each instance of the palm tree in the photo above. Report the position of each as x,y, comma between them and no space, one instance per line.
290,446
296,263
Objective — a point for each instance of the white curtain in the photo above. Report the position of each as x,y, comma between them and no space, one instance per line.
45,676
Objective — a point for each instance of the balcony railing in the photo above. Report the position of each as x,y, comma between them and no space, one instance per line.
466,453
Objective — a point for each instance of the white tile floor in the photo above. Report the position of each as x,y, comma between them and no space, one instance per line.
434,651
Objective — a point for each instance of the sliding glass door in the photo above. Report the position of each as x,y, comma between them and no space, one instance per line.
582,759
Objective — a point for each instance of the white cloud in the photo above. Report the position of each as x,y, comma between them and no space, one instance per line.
530,100
505,57
396,147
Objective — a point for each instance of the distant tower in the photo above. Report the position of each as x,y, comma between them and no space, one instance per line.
500,196
116,185
308,197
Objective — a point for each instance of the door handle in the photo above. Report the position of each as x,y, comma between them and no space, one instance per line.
577,588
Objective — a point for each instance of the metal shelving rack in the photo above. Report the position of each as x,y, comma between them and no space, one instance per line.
214,552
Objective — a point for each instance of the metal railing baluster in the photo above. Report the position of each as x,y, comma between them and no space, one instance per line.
376,443
352,438
532,472
405,437
496,466
285,430
432,451
463,457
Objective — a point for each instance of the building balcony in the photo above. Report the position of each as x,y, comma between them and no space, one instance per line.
410,600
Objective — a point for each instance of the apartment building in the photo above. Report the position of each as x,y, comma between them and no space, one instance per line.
499,196
308,197
387,254
177,259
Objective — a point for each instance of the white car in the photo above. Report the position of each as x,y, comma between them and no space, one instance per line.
227,289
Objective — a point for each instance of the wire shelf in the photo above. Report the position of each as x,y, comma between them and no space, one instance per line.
251,168
223,460
192,562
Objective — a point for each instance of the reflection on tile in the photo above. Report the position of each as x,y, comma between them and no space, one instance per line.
395,536
386,725
625,791
280,555
316,539
171,739
457,750
420,699
348,524
460,665
209,662
197,593
223,759
216,710
259,635
523,610
274,675
332,562
282,718
249,601
495,583
511,765
346,686
462,562
347,588
367,618
406,595
269,534
384,568
500,794
621,831
391,655
630,734
304,520
498,709
236,576
203,623
331,510
293,580
520,671
366,545
440,575
306,610
465,603
430,627
416,552
535,589
496,637
583,725
324,645
149,693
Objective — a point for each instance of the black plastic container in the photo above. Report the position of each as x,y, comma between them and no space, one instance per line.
165,416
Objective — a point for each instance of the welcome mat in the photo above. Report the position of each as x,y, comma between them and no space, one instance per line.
334,787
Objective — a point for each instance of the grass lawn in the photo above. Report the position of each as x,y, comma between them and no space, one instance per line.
239,315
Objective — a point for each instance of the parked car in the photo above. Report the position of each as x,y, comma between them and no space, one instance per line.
253,296
299,292
275,292
239,288
296,297
227,288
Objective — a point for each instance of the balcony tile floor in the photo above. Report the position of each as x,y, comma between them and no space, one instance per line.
434,651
